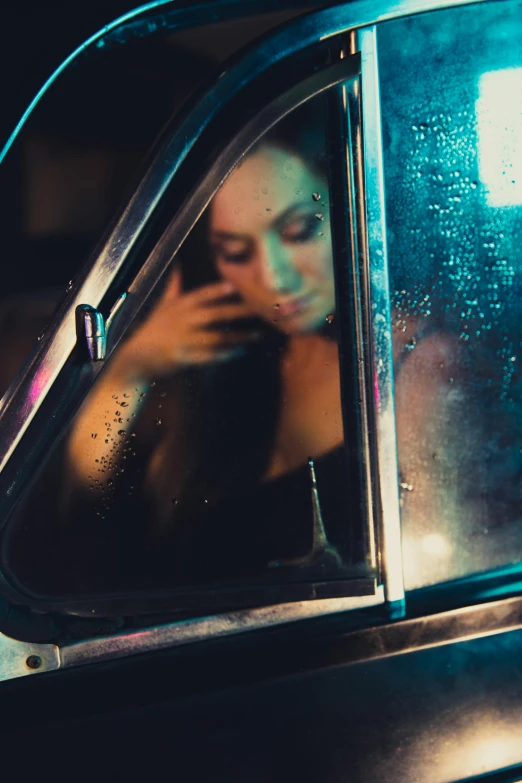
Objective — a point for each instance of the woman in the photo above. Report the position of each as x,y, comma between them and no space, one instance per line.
249,369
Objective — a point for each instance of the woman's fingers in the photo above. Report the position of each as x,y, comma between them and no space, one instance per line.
212,355
209,293
173,288
219,338
179,330
224,312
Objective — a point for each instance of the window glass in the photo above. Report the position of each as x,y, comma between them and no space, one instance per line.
451,85
188,463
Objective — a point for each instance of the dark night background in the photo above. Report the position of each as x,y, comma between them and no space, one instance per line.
75,160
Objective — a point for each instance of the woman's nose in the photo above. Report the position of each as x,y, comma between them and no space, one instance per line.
278,270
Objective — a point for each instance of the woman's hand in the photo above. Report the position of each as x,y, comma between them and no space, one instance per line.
178,332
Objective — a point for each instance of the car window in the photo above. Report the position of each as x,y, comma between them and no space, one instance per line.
451,91
211,453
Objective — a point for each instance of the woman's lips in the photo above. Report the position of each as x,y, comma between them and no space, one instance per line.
293,306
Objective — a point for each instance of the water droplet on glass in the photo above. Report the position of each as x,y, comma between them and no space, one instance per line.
277,306
124,404
407,487
158,421
316,196
320,216
329,318
94,435
175,501
121,432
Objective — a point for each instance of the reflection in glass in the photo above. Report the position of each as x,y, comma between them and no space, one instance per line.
453,142
499,127
211,448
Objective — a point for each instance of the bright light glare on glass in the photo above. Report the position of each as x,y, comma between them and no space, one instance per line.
499,127
492,743
435,544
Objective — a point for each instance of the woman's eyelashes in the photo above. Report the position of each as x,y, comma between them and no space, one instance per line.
293,230
233,253
300,229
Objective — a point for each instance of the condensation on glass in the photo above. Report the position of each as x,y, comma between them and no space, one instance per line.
211,449
451,89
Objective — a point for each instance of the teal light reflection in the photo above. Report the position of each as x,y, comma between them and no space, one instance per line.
97,38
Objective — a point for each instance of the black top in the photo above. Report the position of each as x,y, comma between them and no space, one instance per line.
241,536
236,539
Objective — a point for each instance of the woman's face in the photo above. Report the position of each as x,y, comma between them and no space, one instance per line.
270,236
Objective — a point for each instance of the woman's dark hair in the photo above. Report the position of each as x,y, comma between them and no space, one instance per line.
224,437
